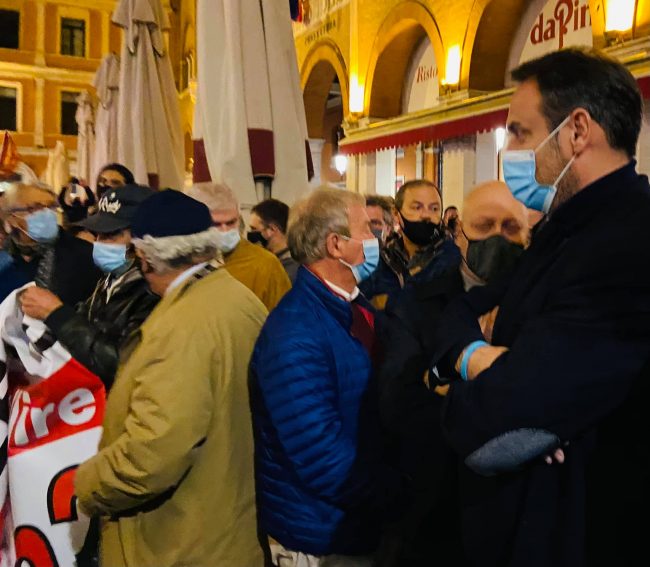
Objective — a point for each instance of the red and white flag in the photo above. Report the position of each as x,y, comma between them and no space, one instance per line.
51,411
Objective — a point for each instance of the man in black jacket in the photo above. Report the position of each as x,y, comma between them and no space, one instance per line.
571,342
94,333
41,250
491,238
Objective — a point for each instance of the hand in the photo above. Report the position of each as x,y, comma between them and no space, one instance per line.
39,303
486,322
481,360
556,457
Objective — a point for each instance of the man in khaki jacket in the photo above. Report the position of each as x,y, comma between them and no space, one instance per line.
173,479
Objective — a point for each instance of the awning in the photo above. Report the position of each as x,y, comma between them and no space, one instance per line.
400,132
434,132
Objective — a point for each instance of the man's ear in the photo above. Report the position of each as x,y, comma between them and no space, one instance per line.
582,129
145,267
333,243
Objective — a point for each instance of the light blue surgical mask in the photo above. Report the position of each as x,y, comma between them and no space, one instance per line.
109,257
42,226
228,241
364,270
519,172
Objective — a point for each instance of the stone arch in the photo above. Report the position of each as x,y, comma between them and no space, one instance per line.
491,30
323,64
399,35
492,25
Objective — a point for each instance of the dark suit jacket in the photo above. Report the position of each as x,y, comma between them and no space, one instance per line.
576,318
74,275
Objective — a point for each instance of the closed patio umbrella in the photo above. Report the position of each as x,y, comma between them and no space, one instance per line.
85,118
250,119
57,171
150,140
106,83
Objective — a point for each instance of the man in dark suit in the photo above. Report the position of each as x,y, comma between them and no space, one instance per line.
41,250
571,340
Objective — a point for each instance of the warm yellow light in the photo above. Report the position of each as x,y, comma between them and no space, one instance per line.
620,15
452,70
356,95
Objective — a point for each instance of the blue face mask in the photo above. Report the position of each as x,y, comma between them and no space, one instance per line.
42,226
364,270
228,241
519,172
109,257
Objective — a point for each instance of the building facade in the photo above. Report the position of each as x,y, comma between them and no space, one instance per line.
424,85
49,52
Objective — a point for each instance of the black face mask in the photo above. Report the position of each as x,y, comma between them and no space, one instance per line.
493,258
422,233
255,237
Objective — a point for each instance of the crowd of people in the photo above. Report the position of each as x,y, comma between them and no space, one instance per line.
359,381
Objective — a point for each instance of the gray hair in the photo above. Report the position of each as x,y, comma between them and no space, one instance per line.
173,252
312,220
215,196
13,188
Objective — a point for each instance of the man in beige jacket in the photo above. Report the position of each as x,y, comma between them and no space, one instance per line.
173,479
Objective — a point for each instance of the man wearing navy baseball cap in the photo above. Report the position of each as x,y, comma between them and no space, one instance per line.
96,331
177,446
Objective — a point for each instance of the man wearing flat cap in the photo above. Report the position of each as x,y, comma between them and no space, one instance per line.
173,479
95,332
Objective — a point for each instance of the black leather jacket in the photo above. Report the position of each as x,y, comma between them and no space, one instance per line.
98,328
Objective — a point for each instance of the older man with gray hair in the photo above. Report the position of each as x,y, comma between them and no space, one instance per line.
258,269
173,479
42,251
322,488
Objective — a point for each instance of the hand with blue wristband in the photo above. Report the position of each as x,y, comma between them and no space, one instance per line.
467,353
489,355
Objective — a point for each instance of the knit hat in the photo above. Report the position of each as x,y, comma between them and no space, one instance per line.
170,213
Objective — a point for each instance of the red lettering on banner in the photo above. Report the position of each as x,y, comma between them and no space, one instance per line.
566,12
61,501
69,401
33,548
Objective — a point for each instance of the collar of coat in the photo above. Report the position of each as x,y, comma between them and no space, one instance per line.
602,193
309,284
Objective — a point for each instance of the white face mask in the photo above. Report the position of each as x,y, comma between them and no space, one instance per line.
228,241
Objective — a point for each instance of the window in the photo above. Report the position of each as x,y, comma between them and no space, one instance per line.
73,37
9,29
8,108
68,113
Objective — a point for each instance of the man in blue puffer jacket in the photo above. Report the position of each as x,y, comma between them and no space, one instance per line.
322,488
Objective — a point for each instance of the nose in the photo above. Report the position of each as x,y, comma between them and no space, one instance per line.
427,215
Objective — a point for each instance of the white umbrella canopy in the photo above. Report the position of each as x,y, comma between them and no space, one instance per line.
106,83
57,171
150,140
85,118
250,118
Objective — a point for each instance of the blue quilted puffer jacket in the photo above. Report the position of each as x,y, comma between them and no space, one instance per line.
321,486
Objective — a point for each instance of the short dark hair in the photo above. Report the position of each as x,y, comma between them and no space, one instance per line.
122,170
401,193
586,78
272,211
384,204
451,208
